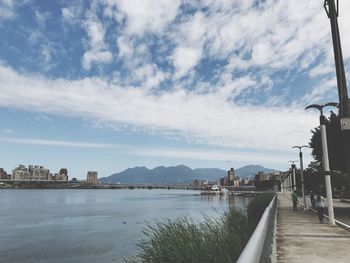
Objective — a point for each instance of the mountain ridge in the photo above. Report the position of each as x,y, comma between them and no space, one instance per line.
177,174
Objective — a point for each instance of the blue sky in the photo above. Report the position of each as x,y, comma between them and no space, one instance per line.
110,84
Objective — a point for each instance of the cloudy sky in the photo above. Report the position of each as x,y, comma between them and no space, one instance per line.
110,84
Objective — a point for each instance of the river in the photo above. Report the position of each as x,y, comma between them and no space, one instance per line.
92,225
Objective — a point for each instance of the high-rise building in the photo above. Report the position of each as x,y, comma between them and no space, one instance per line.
223,181
231,174
20,173
261,176
3,174
62,175
36,172
91,177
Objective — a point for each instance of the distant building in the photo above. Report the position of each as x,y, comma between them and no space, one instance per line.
62,175
36,173
261,176
277,176
247,181
199,183
20,173
3,174
231,174
223,181
91,177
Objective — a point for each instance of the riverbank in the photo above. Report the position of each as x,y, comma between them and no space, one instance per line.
8,184
212,240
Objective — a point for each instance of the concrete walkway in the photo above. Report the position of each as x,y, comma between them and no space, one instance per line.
301,238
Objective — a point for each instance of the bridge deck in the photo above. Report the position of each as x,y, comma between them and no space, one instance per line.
301,238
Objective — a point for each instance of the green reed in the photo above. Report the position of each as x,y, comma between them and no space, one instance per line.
187,240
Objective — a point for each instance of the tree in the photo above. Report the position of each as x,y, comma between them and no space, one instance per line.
336,150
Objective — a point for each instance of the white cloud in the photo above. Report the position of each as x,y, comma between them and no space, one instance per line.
72,13
184,59
7,9
190,38
98,52
150,76
146,15
257,39
59,143
179,153
96,56
203,118
125,47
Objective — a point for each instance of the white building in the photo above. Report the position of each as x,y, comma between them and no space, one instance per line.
91,177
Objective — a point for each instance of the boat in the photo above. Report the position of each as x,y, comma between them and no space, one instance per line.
215,190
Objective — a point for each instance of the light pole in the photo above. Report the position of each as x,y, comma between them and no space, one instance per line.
302,171
332,10
293,173
290,185
325,157
286,181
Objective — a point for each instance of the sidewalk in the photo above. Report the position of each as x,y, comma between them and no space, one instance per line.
301,238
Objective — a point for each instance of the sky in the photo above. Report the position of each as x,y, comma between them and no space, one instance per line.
106,85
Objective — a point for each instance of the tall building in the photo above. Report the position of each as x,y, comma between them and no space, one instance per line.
231,174
3,174
91,177
223,181
62,175
20,173
36,172
261,176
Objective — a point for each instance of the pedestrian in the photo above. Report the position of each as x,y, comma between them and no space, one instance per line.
312,198
295,200
319,204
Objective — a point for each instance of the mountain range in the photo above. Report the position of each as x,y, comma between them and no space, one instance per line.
177,174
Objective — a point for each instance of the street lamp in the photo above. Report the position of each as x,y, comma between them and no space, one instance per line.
302,171
325,157
286,180
293,172
332,10
290,185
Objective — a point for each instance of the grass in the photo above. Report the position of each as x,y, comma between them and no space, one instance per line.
213,240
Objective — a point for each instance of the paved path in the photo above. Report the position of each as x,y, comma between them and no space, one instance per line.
341,209
301,238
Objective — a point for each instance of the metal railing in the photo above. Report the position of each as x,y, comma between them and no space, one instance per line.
259,247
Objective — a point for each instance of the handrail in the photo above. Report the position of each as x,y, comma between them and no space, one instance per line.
253,249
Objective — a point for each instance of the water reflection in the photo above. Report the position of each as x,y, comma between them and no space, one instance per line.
92,225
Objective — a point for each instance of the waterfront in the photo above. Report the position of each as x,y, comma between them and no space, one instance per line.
92,225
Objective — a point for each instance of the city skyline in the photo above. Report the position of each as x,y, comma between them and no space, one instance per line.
107,85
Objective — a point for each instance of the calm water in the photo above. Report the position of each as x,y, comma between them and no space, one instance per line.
91,225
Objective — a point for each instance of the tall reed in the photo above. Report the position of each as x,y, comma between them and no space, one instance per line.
187,240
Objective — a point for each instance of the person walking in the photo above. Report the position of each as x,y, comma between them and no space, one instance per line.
295,200
312,198
319,204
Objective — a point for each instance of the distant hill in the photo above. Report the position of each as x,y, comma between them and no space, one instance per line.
162,174
251,170
176,174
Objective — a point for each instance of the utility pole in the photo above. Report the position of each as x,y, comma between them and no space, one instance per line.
302,171
293,166
325,161
332,10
